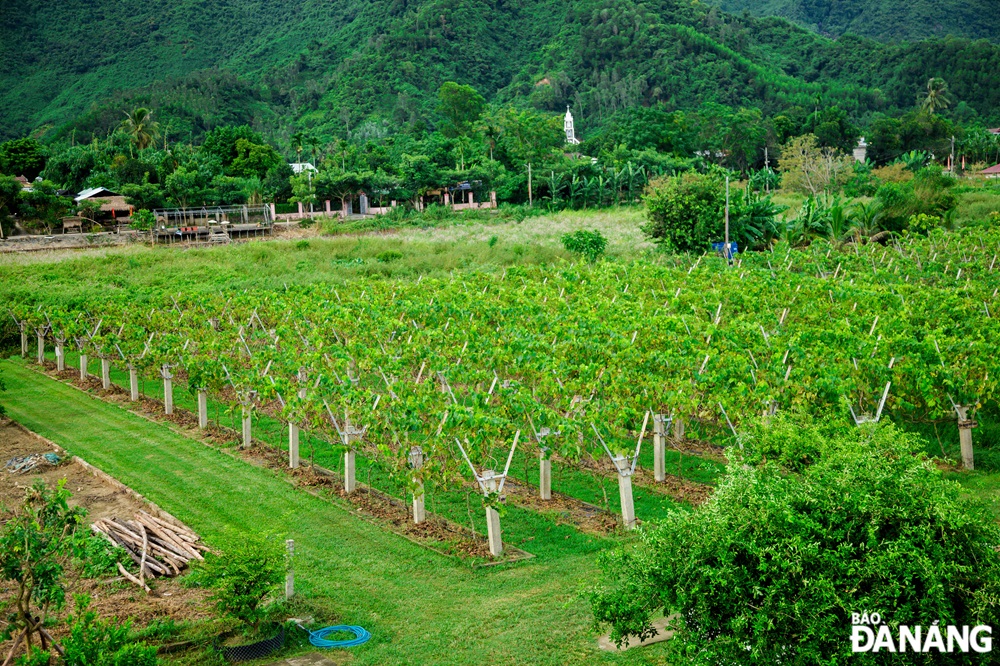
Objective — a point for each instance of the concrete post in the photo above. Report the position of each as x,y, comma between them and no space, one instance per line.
290,576
83,366
679,429
274,214
625,491
300,209
328,207
493,534
660,447
545,474
965,427
24,341
416,462
202,408
350,480
105,373
133,384
628,506
60,356
247,439
41,348
293,446
168,391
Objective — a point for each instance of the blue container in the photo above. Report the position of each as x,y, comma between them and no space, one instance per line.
720,249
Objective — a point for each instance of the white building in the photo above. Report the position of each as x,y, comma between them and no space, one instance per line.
861,150
570,131
299,167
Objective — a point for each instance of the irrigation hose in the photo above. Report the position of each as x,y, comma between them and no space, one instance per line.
318,637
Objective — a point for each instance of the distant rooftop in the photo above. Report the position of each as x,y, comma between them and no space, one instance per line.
299,167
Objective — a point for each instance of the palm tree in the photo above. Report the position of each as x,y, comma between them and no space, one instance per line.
937,96
141,127
865,219
298,140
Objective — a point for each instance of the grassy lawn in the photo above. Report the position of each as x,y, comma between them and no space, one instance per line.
420,607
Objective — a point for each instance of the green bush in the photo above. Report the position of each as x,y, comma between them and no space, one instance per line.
94,642
250,569
388,256
685,211
142,220
590,244
771,568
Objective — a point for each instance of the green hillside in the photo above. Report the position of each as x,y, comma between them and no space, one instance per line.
887,20
342,66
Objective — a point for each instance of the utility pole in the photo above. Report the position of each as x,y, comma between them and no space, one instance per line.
310,174
726,251
767,168
530,200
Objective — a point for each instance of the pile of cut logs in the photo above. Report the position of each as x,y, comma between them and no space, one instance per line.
159,548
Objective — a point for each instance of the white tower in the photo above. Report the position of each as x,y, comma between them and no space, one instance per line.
570,132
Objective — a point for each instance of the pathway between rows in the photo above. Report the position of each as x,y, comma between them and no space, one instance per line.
420,607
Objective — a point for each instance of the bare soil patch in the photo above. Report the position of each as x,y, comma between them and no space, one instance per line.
111,598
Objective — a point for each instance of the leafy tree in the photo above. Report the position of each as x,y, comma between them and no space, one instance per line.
10,190
223,142
145,195
22,157
34,550
42,203
685,212
527,136
808,168
143,220
253,159
461,105
186,186
832,129
806,528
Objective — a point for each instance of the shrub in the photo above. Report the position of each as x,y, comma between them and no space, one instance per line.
302,245
685,211
388,256
142,220
250,569
923,223
94,642
771,568
590,244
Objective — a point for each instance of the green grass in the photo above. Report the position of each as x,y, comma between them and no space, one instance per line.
421,607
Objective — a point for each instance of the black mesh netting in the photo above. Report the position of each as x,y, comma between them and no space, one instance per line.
255,650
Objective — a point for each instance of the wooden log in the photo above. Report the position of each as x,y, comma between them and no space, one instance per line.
164,536
124,572
132,542
130,549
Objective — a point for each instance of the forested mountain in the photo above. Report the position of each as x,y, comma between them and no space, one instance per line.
369,67
886,20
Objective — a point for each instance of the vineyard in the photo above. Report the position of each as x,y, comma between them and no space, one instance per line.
439,382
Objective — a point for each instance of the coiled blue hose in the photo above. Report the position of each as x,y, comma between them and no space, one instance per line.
318,637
